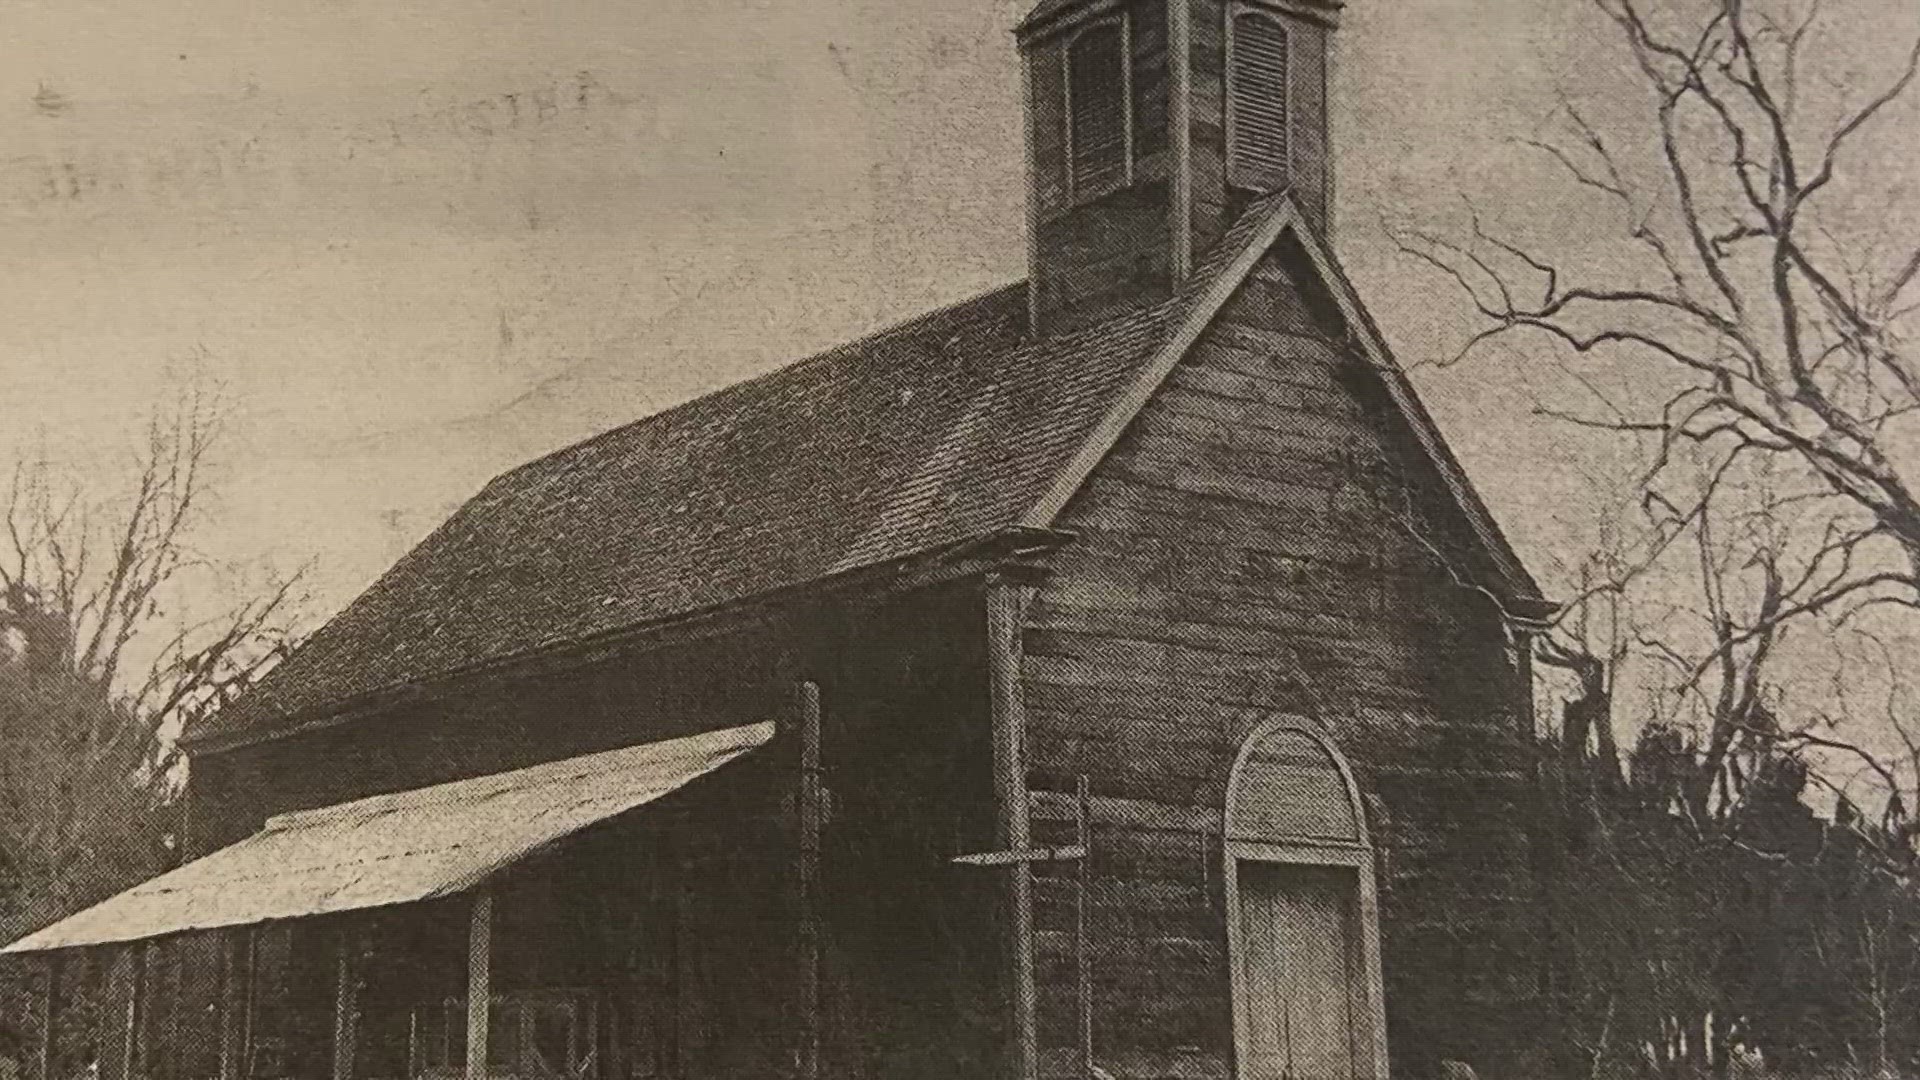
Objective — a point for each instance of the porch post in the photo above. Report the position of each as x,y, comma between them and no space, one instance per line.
1523,664
346,1003
812,813
50,1012
236,982
132,1063
1006,614
479,982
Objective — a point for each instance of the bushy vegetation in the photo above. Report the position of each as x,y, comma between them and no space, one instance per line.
1777,944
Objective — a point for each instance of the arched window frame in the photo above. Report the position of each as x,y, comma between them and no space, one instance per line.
1236,176
1078,193
1365,988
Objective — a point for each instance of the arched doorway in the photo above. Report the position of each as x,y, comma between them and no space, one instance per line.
1303,925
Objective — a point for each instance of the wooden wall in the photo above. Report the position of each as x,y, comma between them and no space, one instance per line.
910,957
1241,553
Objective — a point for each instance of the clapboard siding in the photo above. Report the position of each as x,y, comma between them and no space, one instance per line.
1264,538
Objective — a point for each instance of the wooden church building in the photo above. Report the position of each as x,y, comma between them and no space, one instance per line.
1112,675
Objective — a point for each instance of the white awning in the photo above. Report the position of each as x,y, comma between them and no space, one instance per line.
396,849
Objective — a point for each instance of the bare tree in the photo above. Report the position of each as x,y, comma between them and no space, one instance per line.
1756,327
1717,718
1739,318
1765,308
107,649
1589,639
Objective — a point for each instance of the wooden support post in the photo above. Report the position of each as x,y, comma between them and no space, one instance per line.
236,1000
522,1063
415,1054
346,1002
1082,943
812,814
231,1002
1006,602
479,982
679,1017
1523,678
1180,108
132,1057
50,1017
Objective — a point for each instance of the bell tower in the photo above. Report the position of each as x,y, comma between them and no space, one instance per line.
1150,125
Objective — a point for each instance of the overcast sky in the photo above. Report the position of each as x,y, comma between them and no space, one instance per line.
421,241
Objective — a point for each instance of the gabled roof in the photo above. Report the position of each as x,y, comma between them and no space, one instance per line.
954,426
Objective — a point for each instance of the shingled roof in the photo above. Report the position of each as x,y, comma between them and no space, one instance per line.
953,426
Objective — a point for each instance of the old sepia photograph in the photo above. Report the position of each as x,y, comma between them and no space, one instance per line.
959,540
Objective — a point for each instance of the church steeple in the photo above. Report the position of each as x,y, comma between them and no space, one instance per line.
1150,123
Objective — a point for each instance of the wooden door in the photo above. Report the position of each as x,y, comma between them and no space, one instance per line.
1297,975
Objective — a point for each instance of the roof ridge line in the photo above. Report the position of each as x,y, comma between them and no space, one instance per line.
865,341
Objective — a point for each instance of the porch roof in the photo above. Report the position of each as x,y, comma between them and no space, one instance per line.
395,849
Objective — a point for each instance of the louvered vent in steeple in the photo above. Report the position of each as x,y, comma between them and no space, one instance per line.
1151,126
1097,104
1258,114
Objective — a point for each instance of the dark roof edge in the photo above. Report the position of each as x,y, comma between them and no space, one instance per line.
1017,546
